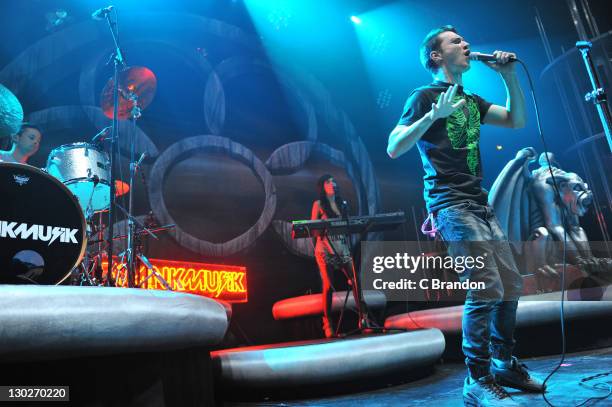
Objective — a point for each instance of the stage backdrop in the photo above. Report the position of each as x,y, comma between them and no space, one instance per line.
252,106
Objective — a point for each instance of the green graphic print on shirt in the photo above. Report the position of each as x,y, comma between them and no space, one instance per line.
464,132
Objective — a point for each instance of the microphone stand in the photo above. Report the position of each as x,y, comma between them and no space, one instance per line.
364,325
118,60
598,94
362,308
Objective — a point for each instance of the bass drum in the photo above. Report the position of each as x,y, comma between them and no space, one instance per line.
42,227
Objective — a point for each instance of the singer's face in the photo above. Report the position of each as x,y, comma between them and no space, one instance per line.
454,51
330,186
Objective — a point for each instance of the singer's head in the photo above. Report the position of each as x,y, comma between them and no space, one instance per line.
327,186
443,49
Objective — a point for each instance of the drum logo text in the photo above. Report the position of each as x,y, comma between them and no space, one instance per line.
21,179
37,232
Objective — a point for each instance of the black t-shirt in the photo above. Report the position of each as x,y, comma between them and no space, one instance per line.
450,147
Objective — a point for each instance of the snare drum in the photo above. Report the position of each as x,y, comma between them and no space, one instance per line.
85,169
42,227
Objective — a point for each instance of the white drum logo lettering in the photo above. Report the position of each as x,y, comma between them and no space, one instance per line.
44,233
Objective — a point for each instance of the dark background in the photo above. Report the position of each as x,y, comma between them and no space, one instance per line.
276,54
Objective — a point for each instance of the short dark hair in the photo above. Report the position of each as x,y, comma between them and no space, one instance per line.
28,125
432,43
24,125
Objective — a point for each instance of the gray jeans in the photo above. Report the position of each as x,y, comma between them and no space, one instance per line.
489,315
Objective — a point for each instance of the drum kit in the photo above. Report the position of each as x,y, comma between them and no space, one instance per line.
48,216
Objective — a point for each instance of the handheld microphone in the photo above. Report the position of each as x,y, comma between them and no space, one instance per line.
479,56
100,14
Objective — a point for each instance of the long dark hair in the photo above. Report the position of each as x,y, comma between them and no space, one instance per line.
329,212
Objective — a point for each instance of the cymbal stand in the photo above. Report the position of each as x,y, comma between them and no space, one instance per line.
131,244
139,257
154,273
140,248
131,263
133,250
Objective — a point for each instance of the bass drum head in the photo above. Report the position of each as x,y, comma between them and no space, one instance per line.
42,227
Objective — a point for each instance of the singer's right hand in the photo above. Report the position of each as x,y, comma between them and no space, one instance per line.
445,106
503,62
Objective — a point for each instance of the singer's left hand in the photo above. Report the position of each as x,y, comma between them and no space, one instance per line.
503,65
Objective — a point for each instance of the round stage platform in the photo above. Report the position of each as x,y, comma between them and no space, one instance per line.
533,310
321,362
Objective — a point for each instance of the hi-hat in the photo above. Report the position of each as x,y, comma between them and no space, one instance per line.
11,113
137,86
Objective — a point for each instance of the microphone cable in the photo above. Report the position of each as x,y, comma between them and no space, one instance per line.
563,217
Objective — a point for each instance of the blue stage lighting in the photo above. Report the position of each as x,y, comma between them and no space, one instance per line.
356,19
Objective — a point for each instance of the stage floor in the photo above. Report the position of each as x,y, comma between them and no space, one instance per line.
443,387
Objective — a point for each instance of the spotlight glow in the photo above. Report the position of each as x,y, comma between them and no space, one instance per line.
356,19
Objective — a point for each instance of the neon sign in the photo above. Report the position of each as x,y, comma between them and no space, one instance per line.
221,282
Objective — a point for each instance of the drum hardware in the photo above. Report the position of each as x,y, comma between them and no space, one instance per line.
152,226
138,233
134,166
151,273
90,271
133,252
132,90
102,135
89,211
138,255
135,221
154,273
84,275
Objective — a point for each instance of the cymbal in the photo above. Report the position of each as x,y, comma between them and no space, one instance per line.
121,188
137,86
11,113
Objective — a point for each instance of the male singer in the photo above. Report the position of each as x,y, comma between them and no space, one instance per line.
443,120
